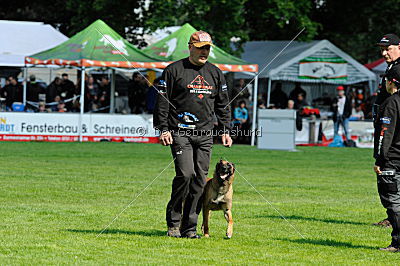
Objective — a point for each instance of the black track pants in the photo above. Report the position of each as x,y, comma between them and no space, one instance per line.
389,193
191,166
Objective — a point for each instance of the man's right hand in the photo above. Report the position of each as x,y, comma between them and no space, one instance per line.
166,138
377,169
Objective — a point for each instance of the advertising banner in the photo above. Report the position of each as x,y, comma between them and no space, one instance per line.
334,68
64,127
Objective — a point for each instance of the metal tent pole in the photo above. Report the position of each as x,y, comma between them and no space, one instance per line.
50,75
25,86
255,96
82,101
269,91
112,92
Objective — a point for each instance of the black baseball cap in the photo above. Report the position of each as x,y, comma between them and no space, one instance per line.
389,39
394,74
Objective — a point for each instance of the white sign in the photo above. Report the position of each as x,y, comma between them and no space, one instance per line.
323,68
65,127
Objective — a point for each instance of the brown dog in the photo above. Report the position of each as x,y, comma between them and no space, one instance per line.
218,195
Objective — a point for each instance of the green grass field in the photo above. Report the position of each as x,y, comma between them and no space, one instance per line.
57,197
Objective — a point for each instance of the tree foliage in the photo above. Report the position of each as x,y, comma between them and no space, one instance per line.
223,19
243,19
354,26
280,19
72,16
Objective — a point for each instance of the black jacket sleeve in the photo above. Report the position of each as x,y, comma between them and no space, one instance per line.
388,122
222,105
161,109
347,107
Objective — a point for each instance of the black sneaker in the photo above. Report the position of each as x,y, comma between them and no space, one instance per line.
192,235
383,223
173,232
391,248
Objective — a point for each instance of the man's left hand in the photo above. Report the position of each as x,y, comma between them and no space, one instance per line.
226,140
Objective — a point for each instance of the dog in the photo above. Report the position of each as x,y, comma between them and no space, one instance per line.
218,194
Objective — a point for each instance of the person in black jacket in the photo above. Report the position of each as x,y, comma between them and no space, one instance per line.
13,92
389,45
387,155
68,90
279,97
191,93
341,109
296,91
53,90
33,90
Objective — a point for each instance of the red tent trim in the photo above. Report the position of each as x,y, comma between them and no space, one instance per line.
374,64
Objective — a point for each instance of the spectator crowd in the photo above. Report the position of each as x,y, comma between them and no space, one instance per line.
361,106
63,95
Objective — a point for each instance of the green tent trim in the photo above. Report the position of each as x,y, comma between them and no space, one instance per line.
98,45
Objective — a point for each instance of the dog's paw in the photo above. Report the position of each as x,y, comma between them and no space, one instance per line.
229,236
207,235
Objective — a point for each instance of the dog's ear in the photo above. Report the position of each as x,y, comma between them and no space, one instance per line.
234,167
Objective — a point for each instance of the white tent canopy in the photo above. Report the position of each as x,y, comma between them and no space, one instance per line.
22,38
286,66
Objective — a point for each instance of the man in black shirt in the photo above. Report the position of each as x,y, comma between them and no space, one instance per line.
134,90
296,91
53,90
278,97
104,95
390,50
67,90
12,91
387,154
34,89
191,93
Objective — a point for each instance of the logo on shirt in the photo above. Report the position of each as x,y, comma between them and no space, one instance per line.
200,85
386,120
187,117
162,87
187,120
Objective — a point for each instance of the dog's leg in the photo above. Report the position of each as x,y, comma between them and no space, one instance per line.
206,218
228,217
